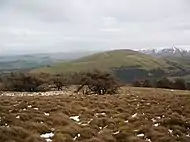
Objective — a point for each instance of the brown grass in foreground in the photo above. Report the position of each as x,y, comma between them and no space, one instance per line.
135,115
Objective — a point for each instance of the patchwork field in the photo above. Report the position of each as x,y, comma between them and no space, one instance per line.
134,115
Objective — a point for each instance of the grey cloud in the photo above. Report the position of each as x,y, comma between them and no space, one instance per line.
102,24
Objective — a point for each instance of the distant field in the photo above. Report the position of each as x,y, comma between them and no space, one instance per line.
108,60
134,115
183,61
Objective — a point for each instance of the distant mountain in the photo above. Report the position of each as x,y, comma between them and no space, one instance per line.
167,52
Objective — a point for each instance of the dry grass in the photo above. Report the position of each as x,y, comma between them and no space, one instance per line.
135,115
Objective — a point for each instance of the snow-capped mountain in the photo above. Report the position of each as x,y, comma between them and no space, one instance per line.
164,52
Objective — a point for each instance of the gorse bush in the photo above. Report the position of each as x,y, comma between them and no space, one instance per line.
95,82
21,82
98,82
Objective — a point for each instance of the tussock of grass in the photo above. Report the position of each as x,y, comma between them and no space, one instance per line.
136,115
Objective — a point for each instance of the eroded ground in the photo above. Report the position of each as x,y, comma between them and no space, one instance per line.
135,115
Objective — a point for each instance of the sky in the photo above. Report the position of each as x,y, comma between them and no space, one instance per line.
80,25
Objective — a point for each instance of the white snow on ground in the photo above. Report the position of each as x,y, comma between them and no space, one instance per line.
47,136
148,140
85,124
50,93
36,108
116,133
134,115
100,114
156,125
75,118
158,117
188,135
18,117
29,106
140,135
5,125
127,121
48,140
78,135
170,131
46,114
154,120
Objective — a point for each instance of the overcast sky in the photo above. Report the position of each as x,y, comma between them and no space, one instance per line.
66,25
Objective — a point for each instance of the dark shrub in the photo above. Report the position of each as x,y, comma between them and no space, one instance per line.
59,81
188,85
137,84
21,82
100,83
179,84
164,83
146,83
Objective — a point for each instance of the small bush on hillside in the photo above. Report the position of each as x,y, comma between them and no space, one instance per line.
59,81
188,85
146,83
137,84
21,82
164,83
179,84
100,83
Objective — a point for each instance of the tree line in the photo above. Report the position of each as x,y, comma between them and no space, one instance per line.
94,82
166,83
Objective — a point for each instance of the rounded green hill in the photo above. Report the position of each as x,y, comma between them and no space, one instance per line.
106,61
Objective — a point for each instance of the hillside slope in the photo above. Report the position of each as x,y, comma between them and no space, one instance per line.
108,60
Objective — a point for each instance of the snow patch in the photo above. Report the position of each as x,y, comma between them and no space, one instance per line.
156,125
75,118
116,133
100,114
47,136
154,120
134,115
148,140
46,114
127,121
170,131
140,135
78,135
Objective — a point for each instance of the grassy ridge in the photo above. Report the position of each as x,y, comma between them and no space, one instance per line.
107,60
